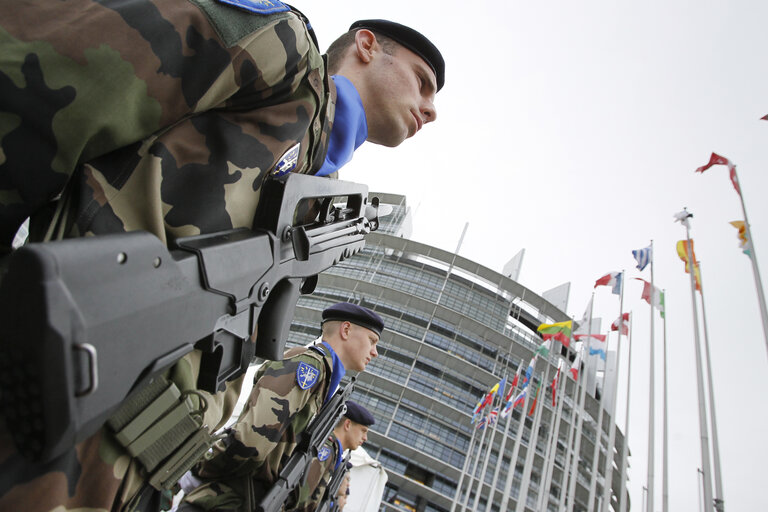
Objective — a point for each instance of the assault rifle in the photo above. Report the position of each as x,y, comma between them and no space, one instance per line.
330,501
87,322
294,471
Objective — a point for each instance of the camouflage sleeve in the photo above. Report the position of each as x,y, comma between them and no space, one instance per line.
307,497
137,69
278,409
204,173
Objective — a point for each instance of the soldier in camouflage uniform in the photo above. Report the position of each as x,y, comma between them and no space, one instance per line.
351,432
286,396
166,116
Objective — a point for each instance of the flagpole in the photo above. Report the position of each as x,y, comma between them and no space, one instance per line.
463,469
501,448
598,437
530,454
625,447
474,469
489,450
516,448
756,271
719,499
664,467
571,432
703,430
606,503
549,460
651,402
579,424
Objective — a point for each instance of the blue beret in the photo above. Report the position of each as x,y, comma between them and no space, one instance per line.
358,315
411,39
359,414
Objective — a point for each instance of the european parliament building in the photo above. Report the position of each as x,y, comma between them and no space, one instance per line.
453,329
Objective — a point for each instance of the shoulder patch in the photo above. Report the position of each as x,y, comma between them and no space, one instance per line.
306,375
258,6
287,162
323,453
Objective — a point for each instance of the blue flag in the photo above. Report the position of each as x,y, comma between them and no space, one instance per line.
643,257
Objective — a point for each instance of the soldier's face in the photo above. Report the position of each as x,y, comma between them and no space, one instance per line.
360,347
358,434
400,98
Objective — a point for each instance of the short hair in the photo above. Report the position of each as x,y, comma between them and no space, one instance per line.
337,48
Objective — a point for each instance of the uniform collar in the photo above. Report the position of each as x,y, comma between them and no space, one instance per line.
337,370
340,452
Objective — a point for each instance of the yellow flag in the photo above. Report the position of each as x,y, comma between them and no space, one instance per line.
682,251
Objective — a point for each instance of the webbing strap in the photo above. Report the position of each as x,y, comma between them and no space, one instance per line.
159,425
144,420
138,401
164,436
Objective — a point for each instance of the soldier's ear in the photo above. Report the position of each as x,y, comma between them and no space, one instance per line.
365,45
347,424
344,330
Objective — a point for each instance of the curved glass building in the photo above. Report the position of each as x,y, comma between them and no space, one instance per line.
454,329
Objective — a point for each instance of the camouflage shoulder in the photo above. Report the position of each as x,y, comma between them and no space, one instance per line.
235,19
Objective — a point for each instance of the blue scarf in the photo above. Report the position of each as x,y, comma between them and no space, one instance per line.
337,373
350,128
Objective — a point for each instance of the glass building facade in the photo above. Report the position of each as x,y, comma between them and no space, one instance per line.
453,329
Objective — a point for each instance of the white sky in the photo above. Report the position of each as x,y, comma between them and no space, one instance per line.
572,129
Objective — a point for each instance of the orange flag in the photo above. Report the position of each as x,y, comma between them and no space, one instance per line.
682,251
743,242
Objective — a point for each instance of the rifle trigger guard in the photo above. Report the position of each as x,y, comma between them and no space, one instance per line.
93,374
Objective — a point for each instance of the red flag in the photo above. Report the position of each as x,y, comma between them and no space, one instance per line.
576,366
535,399
554,385
624,327
716,159
513,385
598,337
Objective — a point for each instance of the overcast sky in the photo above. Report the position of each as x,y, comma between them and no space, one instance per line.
573,129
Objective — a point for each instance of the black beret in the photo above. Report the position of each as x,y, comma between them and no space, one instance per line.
358,315
411,39
359,414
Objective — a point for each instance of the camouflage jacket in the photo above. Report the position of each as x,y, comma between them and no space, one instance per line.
247,463
308,496
163,115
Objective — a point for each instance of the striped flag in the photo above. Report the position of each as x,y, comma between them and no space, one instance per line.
652,296
643,257
561,331
529,372
612,279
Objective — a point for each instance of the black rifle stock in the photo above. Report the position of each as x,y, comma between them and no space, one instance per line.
311,441
87,321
